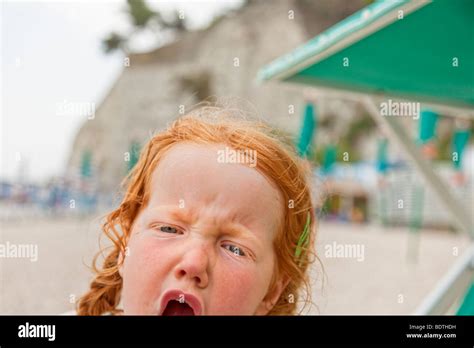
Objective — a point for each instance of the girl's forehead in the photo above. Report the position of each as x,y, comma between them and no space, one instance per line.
193,175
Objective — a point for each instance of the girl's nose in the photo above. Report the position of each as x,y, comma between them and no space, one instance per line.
194,264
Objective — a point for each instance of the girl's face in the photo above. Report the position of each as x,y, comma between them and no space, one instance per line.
204,242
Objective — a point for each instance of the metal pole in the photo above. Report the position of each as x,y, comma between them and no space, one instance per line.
450,287
396,132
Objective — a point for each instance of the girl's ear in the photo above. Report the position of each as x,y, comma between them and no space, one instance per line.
272,297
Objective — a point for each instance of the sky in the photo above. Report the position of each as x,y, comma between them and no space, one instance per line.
53,71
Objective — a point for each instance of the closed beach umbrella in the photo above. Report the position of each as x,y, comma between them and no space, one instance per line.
307,130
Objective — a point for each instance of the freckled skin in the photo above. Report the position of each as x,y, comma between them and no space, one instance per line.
197,259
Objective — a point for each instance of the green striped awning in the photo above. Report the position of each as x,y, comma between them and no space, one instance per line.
418,50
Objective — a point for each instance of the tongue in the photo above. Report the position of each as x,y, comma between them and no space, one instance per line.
177,308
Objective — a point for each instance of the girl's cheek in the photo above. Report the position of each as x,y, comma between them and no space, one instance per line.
236,290
145,262
144,270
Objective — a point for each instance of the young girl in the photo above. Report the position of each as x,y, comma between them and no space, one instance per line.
217,219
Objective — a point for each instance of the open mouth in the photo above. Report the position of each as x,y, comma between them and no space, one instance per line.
176,302
175,308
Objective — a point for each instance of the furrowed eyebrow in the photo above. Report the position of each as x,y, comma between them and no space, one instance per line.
239,230
181,214
175,213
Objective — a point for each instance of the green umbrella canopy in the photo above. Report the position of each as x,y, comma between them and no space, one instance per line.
382,156
86,164
330,155
427,123
410,49
134,154
460,140
307,130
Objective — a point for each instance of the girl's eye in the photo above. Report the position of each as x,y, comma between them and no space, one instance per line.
168,229
235,250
